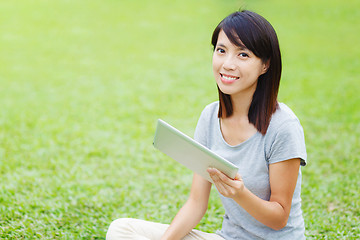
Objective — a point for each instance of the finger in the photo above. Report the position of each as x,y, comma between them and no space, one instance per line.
211,170
213,173
223,178
238,177
220,185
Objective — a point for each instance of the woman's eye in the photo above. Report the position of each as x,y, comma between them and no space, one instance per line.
220,50
243,55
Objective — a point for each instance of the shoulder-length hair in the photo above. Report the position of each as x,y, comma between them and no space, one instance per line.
256,33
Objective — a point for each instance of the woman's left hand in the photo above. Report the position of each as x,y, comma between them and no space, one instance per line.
226,186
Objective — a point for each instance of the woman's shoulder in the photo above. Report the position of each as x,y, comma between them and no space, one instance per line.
210,109
283,118
214,106
208,114
283,115
285,135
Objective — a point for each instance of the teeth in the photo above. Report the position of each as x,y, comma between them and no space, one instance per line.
228,77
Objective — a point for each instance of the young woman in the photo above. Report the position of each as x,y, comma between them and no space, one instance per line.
248,127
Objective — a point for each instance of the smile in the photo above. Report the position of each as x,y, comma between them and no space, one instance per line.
228,78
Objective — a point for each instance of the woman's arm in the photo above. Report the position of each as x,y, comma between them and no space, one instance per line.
273,213
193,210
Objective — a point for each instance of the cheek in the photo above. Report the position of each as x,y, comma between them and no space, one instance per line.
215,64
216,70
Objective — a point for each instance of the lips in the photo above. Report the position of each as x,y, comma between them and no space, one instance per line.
228,79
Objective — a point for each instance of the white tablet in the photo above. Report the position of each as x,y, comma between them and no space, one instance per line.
190,153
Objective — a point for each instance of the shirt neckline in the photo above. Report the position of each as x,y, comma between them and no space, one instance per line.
233,146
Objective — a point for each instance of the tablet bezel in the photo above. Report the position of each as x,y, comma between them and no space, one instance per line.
190,153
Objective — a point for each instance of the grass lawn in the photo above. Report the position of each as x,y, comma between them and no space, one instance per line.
83,82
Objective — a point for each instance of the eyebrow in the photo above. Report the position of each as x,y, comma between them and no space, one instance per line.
238,47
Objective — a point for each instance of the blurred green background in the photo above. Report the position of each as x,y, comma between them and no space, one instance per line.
83,82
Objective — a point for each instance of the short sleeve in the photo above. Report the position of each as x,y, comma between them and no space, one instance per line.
200,134
288,143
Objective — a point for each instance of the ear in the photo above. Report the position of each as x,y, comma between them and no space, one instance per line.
266,66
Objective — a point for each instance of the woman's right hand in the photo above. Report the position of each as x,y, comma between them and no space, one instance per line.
226,186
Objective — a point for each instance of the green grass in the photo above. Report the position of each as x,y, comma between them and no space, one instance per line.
83,82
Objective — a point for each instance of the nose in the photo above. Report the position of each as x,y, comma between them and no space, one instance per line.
229,63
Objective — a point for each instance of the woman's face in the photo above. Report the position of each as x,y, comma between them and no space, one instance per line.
236,69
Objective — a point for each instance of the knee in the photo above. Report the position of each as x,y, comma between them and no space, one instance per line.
119,222
117,227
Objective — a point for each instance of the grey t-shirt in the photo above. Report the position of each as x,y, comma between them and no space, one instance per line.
284,140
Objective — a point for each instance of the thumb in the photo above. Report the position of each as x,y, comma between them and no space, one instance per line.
238,177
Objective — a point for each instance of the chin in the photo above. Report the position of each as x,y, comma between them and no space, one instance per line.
224,89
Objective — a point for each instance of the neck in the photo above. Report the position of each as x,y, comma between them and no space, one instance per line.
241,105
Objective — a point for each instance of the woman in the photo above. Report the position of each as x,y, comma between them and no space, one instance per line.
248,127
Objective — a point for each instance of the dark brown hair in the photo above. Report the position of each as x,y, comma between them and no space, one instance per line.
256,33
